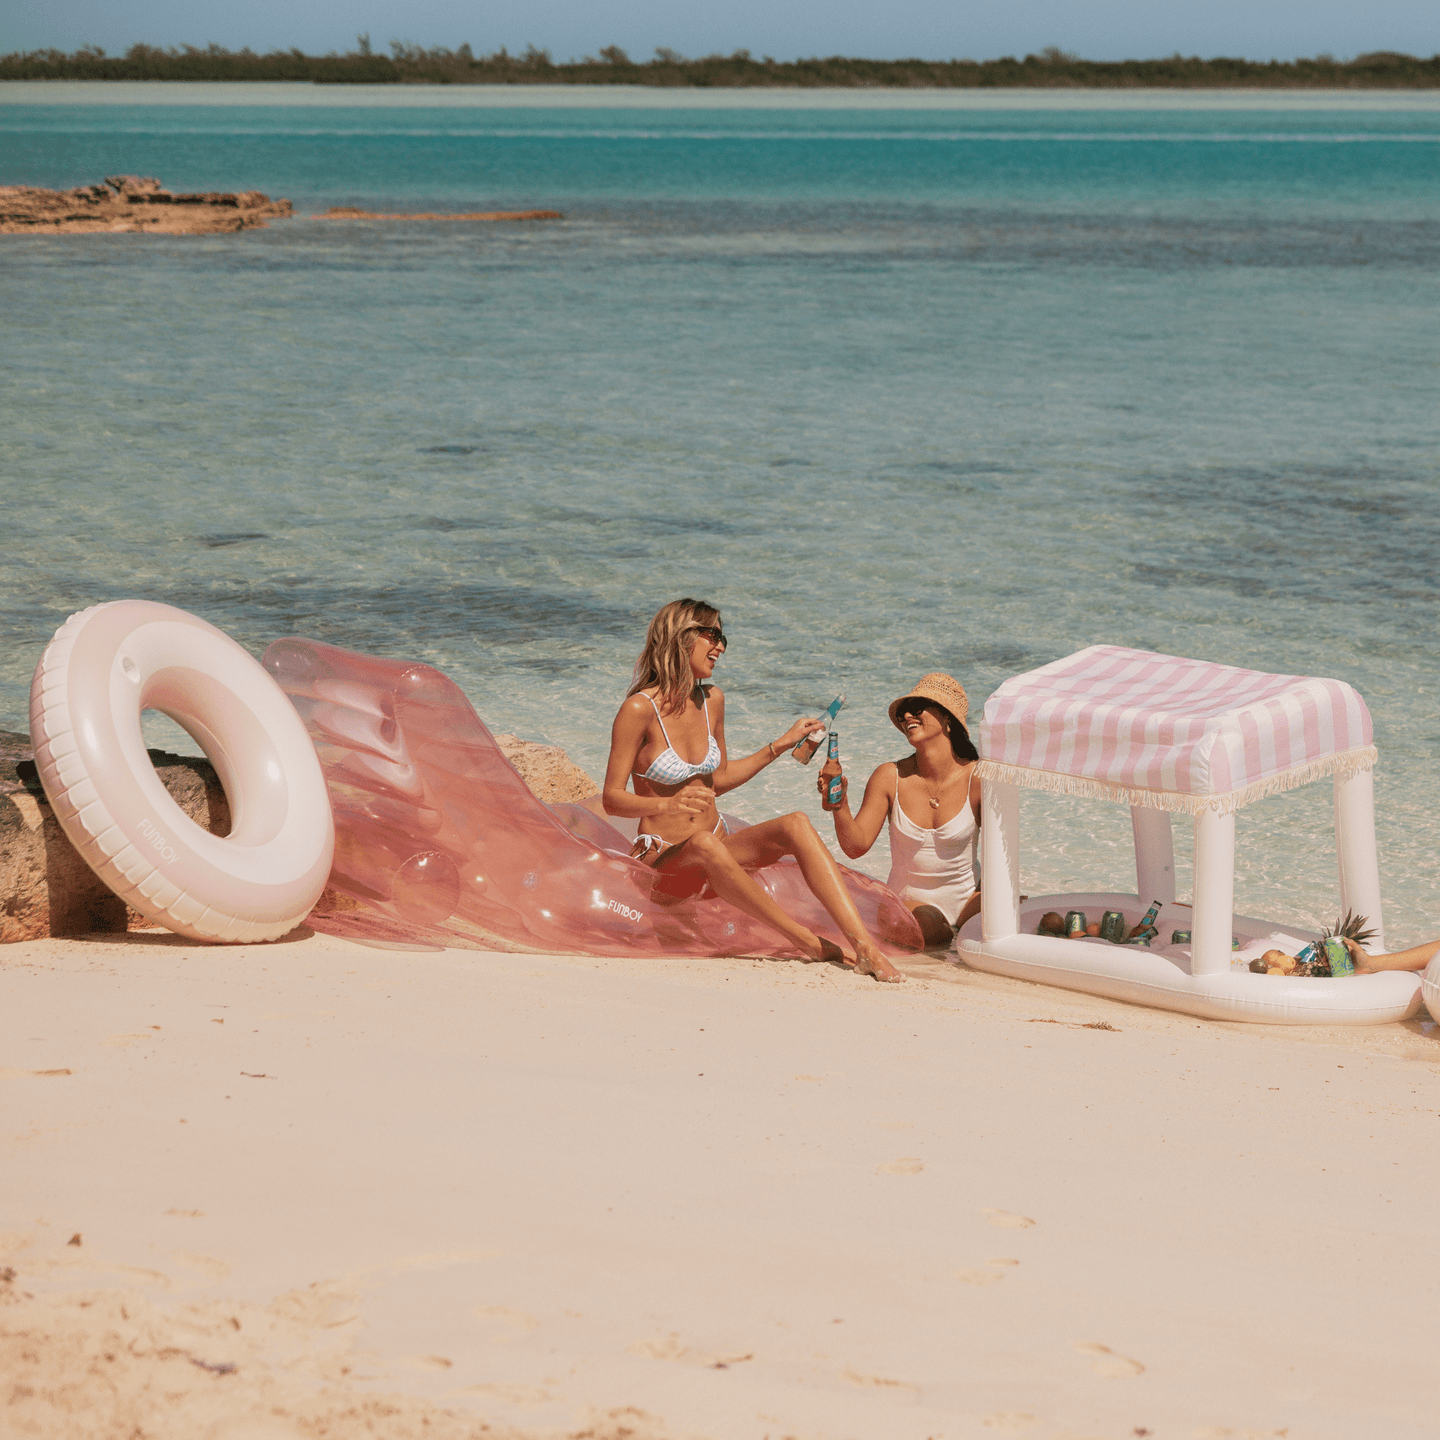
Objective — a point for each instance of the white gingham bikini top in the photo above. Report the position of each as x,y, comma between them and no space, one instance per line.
667,768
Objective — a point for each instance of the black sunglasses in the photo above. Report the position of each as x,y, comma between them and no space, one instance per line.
714,634
914,707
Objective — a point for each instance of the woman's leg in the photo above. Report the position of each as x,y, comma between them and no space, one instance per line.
725,863
793,834
934,927
970,908
707,855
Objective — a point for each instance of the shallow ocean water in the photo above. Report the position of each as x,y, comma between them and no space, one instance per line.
898,390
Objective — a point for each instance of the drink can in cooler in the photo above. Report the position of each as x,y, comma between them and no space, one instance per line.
1179,937
1075,922
1112,925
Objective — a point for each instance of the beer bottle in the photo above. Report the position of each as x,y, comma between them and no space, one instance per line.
830,773
1147,924
804,752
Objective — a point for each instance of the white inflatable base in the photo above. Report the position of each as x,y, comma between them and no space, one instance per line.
1430,985
1160,977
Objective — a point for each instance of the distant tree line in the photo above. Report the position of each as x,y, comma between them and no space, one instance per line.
1052,68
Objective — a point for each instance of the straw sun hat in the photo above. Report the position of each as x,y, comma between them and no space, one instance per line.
942,689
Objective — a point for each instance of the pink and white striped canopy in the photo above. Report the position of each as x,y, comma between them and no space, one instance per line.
1169,733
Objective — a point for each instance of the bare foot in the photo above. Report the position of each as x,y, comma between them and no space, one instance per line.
869,961
823,952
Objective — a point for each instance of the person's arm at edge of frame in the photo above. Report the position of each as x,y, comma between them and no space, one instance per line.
1415,958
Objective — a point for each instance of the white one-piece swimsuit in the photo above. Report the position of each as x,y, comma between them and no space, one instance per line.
933,867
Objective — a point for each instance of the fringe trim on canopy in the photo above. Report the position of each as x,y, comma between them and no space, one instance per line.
1344,765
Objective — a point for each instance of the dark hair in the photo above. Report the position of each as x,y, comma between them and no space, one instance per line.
961,745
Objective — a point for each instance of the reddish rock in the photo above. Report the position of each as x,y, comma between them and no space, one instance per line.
45,887
132,204
549,772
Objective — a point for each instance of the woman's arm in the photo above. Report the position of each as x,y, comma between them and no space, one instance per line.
627,737
857,833
1416,958
734,773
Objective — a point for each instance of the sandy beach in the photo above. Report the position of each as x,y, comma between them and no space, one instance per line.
320,1189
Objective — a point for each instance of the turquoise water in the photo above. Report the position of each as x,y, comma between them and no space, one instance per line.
899,390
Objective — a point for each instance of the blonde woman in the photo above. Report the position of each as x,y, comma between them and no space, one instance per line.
932,802
669,740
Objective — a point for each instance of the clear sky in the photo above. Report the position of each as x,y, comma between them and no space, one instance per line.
934,29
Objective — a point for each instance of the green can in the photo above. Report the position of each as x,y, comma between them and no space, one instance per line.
1113,926
1075,922
1179,937
1338,953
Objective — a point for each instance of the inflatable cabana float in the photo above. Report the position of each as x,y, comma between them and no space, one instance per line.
1170,736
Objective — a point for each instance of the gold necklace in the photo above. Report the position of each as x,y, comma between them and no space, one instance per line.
934,799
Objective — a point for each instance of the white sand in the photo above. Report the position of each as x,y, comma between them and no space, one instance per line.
692,1198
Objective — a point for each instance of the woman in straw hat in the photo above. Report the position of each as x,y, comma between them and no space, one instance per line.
673,713
932,801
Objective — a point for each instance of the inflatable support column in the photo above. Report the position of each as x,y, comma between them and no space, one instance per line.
107,665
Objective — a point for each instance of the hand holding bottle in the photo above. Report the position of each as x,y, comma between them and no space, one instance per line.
804,752
802,732
832,781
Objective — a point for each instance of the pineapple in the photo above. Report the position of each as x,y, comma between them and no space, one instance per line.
1313,958
1350,927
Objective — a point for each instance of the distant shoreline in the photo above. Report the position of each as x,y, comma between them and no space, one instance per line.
97,95
413,65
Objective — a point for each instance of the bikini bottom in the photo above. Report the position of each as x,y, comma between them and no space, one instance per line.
651,850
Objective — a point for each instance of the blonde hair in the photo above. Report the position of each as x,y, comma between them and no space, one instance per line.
665,660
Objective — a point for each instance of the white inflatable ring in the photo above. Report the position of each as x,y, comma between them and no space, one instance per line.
103,668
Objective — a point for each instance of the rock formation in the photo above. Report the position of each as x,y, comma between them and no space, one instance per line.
130,204
47,889
549,772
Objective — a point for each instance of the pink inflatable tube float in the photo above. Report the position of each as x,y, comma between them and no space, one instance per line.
434,828
104,667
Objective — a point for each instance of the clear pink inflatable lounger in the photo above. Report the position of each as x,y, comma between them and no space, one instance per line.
436,831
